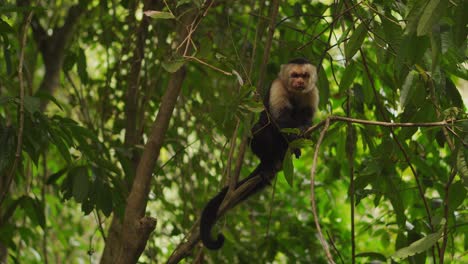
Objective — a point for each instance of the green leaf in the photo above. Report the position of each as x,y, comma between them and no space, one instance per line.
457,195
11,208
294,131
6,100
61,145
34,210
87,206
32,104
418,246
288,168
8,143
323,87
407,90
159,14
348,76
430,15
47,96
413,16
5,27
104,199
372,256
55,176
412,49
183,2
173,66
300,143
453,93
69,62
355,41
82,66
80,183
462,164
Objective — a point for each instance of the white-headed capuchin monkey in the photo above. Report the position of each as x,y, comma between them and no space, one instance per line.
291,103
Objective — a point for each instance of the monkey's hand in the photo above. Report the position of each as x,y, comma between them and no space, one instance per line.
297,152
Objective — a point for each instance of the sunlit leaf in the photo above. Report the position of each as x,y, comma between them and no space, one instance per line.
419,246
173,66
301,143
430,15
355,41
159,14
407,88
348,76
294,131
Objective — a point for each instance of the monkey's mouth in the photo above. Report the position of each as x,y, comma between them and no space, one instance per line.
299,87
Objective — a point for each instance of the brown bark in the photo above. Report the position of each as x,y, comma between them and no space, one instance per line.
234,196
52,48
128,239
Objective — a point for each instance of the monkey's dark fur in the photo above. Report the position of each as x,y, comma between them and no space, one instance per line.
291,103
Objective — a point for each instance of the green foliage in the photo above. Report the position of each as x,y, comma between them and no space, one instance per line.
395,61
418,246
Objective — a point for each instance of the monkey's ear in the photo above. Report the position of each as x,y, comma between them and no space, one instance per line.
282,66
283,73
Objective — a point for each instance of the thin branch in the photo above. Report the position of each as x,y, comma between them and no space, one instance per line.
232,178
335,248
446,215
312,193
381,14
400,146
332,119
206,64
326,28
266,52
19,142
45,234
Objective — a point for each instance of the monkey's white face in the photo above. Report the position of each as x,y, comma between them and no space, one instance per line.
299,78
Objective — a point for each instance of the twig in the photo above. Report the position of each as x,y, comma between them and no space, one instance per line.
378,123
19,142
266,51
381,14
334,247
232,178
45,234
206,64
312,193
326,28
446,212
400,146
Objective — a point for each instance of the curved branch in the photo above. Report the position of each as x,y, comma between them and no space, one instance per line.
19,142
312,193
444,123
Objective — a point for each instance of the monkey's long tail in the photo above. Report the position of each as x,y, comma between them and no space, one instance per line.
209,214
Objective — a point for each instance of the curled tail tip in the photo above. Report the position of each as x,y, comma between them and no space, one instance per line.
214,244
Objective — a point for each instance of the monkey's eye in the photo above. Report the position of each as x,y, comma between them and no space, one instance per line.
295,75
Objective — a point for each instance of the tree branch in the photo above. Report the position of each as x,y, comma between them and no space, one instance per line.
332,119
52,48
19,142
312,193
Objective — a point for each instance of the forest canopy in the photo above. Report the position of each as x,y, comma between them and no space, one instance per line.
120,120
